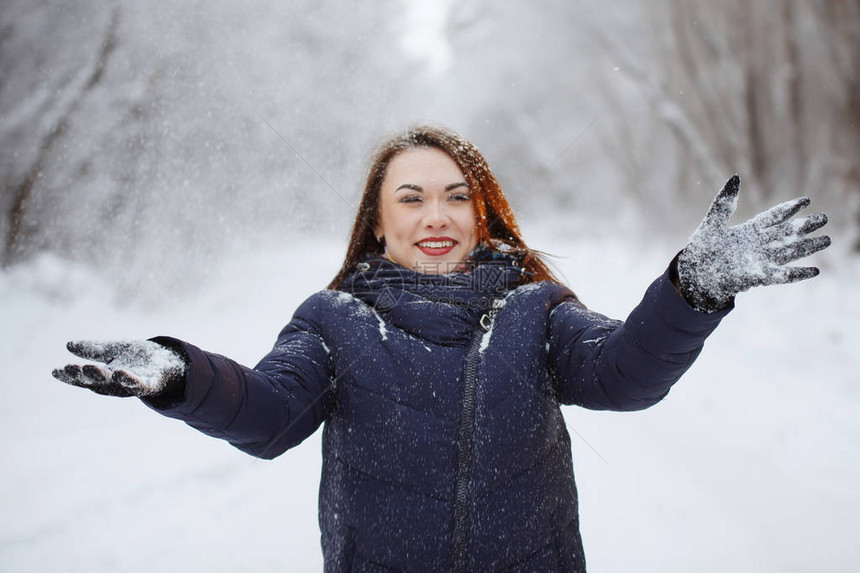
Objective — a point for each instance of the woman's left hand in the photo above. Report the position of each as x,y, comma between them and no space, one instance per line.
129,368
721,261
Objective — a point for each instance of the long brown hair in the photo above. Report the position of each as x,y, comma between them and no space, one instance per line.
494,218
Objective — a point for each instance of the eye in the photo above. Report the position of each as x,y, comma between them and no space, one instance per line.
410,199
460,197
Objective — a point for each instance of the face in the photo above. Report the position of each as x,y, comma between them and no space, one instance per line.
425,211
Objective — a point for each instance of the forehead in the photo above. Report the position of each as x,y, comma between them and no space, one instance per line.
423,164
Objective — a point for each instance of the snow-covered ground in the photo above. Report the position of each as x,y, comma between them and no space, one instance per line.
752,464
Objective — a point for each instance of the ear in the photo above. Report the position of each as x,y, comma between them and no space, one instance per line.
377,232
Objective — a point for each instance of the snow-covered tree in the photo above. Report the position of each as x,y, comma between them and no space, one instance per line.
769,90
148,138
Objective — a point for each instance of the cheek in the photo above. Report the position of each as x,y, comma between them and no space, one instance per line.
387,222
397,224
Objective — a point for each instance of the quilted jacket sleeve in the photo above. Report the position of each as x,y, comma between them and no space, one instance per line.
266,410
605,364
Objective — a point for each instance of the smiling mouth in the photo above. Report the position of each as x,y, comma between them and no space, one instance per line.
436,247
436,244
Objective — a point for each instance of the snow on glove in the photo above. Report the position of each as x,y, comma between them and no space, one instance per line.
131,368
721,261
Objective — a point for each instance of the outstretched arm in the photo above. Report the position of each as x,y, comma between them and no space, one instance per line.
605,364
263,411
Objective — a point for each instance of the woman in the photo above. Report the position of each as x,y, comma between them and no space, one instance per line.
438,358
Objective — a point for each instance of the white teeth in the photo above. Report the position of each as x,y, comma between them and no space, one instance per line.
436,244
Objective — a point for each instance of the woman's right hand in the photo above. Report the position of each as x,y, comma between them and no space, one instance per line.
721,260
129,368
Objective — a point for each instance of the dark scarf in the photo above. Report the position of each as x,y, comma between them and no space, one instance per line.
444,308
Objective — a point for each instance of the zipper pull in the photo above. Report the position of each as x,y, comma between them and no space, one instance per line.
487,318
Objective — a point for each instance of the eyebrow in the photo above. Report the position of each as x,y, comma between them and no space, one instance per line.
449,187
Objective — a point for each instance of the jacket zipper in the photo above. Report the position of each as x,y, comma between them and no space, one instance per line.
465,440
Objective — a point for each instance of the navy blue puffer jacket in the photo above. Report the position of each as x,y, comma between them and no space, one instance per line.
444,446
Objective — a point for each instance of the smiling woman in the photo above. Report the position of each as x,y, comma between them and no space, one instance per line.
438,360
444,160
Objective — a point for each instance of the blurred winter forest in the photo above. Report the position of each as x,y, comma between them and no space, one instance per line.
192,169
150,139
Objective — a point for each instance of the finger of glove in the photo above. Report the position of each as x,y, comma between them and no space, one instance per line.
97,351
783,275
98,374
811,223
130,383
794,229
724,203
796,274
102,382
79,376
111,389
90,377
779,213
119,353
70,374
804,248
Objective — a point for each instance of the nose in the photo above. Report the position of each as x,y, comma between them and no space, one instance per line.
435,216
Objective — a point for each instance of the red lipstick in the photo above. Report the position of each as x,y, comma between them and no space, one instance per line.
436,246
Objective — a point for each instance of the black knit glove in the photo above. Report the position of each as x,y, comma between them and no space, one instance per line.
132,368
721,261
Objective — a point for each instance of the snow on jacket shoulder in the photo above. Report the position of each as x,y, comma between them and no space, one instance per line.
444,445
